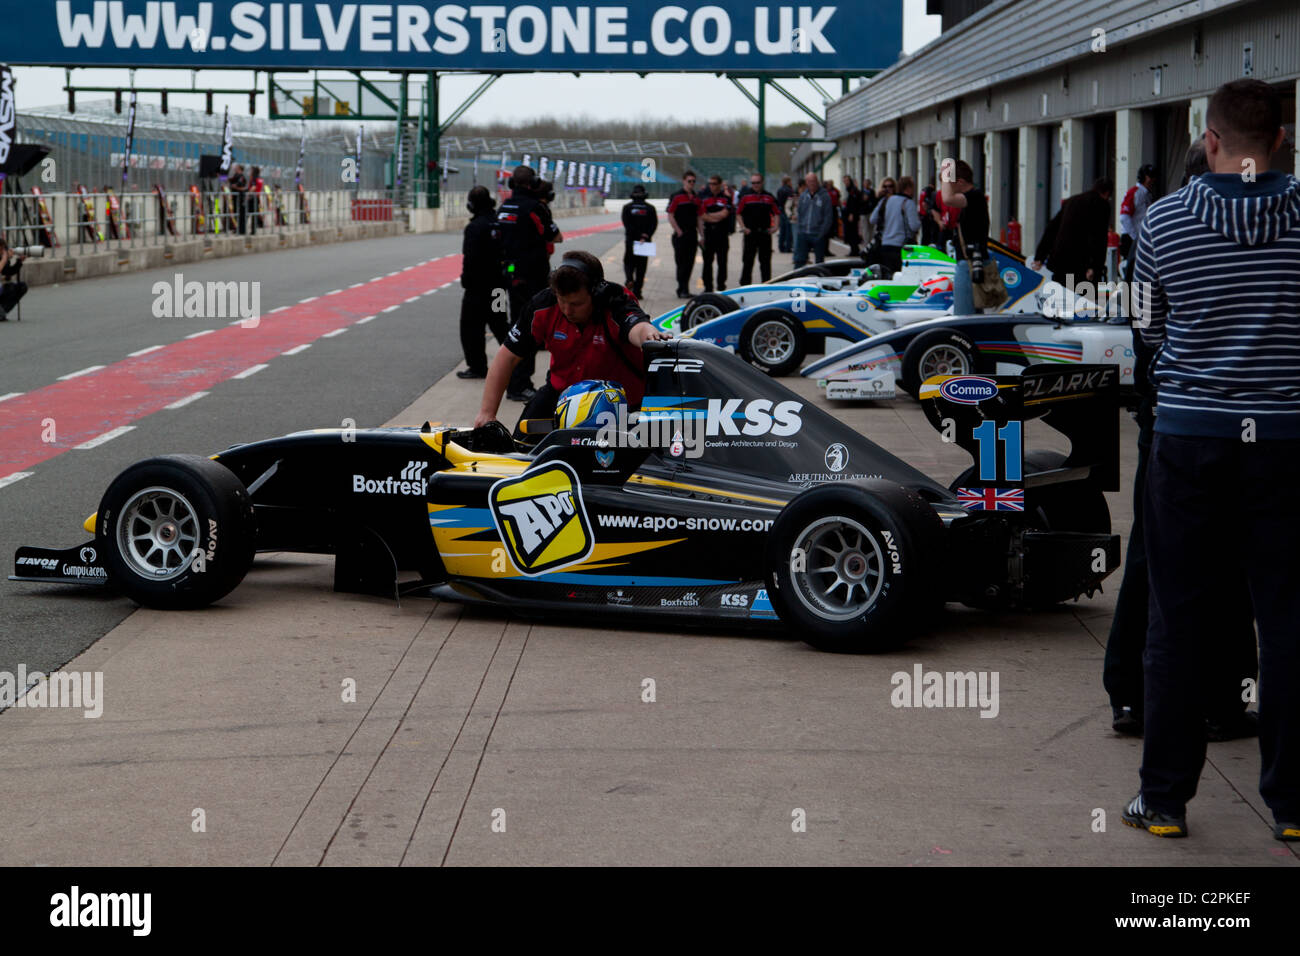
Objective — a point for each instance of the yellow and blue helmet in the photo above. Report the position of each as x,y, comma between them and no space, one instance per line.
583,404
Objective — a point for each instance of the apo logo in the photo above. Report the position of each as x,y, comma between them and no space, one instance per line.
541,518
968,389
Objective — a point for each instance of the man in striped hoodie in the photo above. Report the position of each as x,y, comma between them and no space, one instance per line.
1218,263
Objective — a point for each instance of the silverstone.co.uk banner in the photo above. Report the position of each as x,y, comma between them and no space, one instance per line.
542,35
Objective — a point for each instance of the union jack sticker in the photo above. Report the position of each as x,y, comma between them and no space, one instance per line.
992,499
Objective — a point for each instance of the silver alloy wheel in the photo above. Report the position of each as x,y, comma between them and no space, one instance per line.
844,568
703,313
943,360
773,342
157,533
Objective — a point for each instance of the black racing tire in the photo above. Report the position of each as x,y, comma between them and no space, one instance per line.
1070,506
161,515
881,539
937,352
705,306
774,342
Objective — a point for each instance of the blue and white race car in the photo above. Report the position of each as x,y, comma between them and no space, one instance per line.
776,334
920,263
972,345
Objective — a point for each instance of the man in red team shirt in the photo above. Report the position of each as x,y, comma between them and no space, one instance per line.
593,329
684,217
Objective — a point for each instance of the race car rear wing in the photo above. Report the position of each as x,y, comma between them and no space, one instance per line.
985,414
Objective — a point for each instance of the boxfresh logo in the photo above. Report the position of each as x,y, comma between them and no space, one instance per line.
411,482
68,690
541,518
76,909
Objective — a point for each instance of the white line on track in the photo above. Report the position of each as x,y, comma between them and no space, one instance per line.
310,298
356,285
368,318
117,432
414,298
296,349
202,332
181,403
330,335
16,476
335,292
277,309
393,273
392,308
250,371
5,398
139,352
84,371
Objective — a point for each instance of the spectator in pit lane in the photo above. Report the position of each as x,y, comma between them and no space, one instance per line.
12,288
1228,420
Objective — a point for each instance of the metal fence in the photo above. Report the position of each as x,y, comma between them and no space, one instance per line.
75,224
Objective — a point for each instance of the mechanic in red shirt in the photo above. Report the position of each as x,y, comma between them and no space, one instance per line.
758,218
593,329
684,217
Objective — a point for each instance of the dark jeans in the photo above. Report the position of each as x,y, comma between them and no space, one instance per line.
1217,509
715,247
634,268
541,405
805,244
521,293
760,244
684,249
241,209
891,260
852,235
784,237
1122,671
476,317
10,293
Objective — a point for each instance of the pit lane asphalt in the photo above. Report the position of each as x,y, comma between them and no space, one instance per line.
367,375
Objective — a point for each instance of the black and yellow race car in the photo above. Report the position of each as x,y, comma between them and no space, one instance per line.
728,500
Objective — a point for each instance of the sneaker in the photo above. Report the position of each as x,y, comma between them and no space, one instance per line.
1126,721
1237,727
471,373
1138,814
1287,832
525,396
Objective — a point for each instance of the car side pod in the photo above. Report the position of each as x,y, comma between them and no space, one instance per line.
854,566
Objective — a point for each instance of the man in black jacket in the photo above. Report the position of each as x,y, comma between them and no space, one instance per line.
758,219
639,222
526,229
1075,241
485,303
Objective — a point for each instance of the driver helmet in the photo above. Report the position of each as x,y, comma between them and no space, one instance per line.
583,404
934,287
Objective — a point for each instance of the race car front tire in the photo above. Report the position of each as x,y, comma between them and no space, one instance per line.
177,532
705,307
774,342
853,566
938,352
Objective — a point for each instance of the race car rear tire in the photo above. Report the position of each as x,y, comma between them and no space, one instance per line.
774,342
937,352
177,532
704,307
881,585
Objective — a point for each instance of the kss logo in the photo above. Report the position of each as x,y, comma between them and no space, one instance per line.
541,518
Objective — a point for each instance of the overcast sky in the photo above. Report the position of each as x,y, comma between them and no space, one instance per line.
559,96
